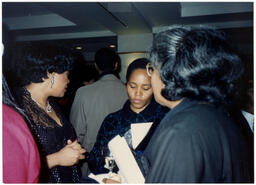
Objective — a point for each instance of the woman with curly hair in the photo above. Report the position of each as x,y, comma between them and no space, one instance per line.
43,74
193,72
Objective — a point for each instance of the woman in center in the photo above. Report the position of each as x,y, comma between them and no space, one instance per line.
139,108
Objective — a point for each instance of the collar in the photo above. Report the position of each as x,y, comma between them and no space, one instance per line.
186,102
104,73
147,112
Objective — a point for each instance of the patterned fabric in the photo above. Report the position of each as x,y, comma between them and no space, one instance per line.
50,138
119,123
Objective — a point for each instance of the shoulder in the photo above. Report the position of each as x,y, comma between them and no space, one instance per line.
110,123
161,110
114,116
195,118
11,116
86,91
14,125
112,79
104,84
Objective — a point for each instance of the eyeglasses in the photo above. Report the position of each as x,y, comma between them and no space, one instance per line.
150,69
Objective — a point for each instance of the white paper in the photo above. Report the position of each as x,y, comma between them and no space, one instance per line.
139,131
125,161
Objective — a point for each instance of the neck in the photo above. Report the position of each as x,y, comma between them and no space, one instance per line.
172,104
37,92
100,72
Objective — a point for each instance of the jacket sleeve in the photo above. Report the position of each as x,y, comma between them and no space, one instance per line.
96,160
78,118
170,160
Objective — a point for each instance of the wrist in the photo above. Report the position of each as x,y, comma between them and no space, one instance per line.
53,160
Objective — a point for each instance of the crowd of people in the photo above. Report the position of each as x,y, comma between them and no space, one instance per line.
187,89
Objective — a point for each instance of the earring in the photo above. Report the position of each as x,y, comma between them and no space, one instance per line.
52,81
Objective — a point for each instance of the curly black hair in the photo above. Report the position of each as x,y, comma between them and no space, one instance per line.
34,61
196,63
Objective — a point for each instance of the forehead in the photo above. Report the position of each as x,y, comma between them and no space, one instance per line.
139,74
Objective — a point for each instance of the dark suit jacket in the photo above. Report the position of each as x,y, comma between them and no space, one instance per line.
198,142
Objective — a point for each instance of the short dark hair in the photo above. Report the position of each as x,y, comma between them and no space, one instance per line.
106,59
196,63
34,61
140,63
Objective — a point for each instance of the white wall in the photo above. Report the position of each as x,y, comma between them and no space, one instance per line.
131,47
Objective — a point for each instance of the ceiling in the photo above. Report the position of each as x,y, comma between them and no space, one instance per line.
93,21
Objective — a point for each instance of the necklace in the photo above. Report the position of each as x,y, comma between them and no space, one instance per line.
48,107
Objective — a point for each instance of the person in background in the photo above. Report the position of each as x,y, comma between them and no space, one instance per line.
43,74
193,71
79,76
91,75
139,108
21,160
94,102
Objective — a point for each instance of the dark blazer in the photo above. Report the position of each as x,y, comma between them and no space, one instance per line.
198,142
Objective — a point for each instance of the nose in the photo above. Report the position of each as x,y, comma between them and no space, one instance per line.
138,92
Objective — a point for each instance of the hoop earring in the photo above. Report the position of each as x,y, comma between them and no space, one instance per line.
52,81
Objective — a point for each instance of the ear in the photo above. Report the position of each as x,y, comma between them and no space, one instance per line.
49,76
96,66
116,66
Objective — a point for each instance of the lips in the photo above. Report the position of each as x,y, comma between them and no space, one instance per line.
136,101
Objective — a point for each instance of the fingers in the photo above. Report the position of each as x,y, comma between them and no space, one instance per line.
82,151
72,143
110,181
81,157
76,149
69,142
76,146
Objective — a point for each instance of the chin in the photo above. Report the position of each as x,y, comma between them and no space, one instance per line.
60,95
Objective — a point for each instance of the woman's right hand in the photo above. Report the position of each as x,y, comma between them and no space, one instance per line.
76,146
67,156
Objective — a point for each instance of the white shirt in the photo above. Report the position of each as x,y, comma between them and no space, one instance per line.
249,117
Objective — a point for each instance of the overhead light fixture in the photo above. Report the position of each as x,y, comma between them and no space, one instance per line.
112,46
79,47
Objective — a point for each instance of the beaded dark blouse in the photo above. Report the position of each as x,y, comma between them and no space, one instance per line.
50,138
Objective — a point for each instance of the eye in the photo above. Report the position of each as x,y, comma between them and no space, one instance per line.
132,86
146,89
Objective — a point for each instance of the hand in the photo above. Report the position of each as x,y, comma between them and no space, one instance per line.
110,181
70,154
76,146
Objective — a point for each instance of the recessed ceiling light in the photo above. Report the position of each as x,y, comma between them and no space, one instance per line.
79,47
112,46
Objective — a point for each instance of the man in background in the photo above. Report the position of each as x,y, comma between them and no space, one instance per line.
94,102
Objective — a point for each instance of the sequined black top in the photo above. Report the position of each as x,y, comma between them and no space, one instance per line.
50,138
